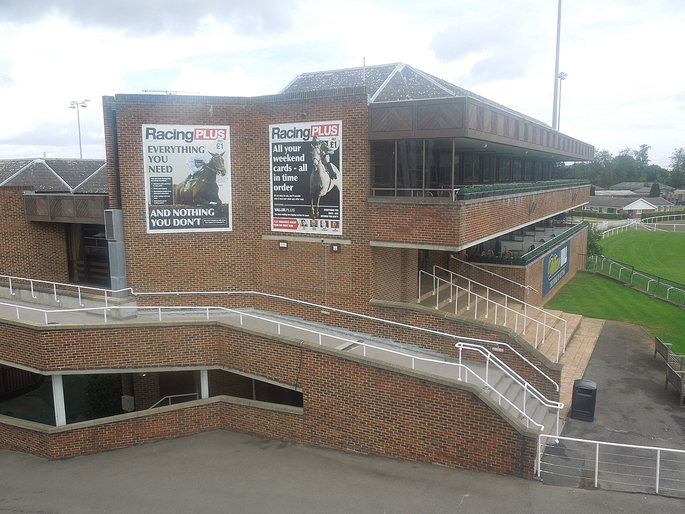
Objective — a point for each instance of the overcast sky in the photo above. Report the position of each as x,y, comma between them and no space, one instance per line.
625,85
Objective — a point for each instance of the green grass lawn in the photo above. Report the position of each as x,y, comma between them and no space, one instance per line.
658,253
600,297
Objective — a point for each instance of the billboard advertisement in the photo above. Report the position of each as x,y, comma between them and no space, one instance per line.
187,172
555,267
306,177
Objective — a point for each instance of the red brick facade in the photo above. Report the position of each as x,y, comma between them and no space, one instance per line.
35,250
348,403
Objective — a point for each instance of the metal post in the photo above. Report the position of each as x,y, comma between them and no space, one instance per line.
658,465
596,463
555,122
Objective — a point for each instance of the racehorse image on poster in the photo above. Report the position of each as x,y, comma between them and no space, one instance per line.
187,178
306,177
200,188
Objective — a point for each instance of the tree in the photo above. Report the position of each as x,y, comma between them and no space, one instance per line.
594,236
655,191
676,177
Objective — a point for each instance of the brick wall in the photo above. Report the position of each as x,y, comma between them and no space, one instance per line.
347,403
456,224
30,249
241,259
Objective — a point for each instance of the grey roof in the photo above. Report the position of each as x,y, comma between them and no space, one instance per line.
394,82
619,202
85,176
640,186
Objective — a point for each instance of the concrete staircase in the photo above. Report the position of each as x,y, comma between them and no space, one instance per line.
542,329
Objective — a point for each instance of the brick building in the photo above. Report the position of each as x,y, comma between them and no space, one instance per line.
335,203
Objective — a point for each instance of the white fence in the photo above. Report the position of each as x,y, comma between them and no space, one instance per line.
624,467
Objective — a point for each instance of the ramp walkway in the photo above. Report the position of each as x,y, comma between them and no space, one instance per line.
520,402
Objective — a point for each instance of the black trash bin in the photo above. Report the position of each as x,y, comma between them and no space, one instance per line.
584,400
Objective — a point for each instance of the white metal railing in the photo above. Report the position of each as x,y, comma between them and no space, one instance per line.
631,225
206,314
668,217
464,371
523,286
656,472
632,273
169,399
63,286
507,298
474,298
526,388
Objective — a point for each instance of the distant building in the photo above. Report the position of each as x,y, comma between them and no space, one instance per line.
632,205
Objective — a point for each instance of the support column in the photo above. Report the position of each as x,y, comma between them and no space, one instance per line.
58,400
204,384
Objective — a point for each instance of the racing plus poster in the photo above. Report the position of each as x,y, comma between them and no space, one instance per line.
306,177
187,173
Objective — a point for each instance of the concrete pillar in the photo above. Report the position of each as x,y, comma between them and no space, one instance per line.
58,400
204,384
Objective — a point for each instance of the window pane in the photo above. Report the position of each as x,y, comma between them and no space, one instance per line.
409,166
438,163
383,167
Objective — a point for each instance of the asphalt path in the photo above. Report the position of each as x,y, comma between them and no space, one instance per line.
221,471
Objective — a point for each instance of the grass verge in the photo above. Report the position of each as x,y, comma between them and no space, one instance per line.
596,296
658,253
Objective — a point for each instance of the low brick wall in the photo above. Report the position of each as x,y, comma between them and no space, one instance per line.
348,403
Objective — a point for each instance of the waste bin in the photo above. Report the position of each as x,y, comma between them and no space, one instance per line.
584,399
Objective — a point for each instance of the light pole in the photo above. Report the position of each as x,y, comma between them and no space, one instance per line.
555,124
77,105
562,76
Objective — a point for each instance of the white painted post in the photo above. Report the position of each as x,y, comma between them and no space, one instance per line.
204,384
596,463
658,465
58,399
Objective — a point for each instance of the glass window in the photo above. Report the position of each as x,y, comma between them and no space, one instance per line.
409,167
503,169
469,176
383,168
438,164
487,168
516,170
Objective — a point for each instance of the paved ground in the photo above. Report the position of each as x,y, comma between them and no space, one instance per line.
632,407
226,472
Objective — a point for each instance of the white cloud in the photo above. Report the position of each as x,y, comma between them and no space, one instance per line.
624,85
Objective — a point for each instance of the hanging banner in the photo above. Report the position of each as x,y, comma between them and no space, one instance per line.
306,177
555,267
187,170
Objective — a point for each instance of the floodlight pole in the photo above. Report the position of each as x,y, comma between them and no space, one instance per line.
555,120
77,105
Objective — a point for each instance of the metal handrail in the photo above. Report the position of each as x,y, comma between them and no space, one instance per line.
279,324
413,358
487,304
506,296
170,397
526,287
525,385
597,444
206,310
54,285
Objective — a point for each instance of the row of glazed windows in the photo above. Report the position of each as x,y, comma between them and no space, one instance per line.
429,167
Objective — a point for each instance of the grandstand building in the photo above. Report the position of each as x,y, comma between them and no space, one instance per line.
359,205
